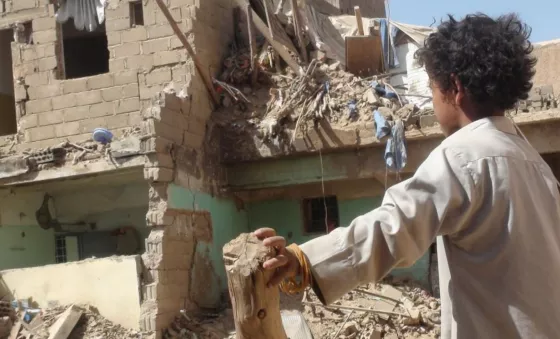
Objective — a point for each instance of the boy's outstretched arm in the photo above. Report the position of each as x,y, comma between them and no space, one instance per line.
435,201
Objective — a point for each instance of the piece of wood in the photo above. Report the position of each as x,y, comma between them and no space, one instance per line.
15,330
275,28
205,77
359,309
359,20
256,307
364,55
278,47
298,29
65,323
252,46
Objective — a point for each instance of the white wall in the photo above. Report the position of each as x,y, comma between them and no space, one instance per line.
416,79
112,285
6,73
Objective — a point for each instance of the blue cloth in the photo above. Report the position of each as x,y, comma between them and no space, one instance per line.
353,109
395,150
388,45
382,128
383,91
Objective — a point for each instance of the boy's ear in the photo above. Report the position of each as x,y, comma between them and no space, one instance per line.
458,90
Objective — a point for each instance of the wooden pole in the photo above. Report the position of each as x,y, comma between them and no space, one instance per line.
359,20
205,77
252,46
256,308
297,27
278,47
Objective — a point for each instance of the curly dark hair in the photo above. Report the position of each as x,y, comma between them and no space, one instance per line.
490,57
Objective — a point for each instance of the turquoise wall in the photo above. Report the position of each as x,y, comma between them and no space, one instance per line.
287,218
25,246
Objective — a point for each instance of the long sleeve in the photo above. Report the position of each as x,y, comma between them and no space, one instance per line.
435,201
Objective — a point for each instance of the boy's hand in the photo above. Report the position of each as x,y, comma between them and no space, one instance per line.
285,263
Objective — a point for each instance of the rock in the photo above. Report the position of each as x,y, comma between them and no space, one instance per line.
319,55
350,328
427,121
371,98
334,66
434,305
414,319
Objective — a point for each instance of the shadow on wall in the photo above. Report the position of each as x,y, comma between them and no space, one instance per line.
208,279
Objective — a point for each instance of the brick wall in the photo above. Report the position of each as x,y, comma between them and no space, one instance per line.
143,61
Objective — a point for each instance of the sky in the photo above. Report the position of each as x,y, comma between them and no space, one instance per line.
542,15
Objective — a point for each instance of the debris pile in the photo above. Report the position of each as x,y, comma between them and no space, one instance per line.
376,311
73,322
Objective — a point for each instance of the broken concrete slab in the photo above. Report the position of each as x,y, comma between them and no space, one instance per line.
65,323
13,166
126,147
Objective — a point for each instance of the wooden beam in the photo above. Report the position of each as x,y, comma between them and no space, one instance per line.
298,28
278,47
65,323
256,307
205,77
359,20
252,46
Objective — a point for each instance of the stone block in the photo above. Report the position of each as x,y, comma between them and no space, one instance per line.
64,101
159,160
46,91
89,97
47,64
155,45
158,174
159,31
67,129
37,106
159,218
44,37
167,58
114,38
28,121
140,62
40,133
37,79
13,166
156,145
76,113
101,109
159,76
193,140
156,128
100,81
18,5
112,25
50,118
126,50
126,77
74,85
117,65
127,105
138,33
43,24
117,121
88,125
20,94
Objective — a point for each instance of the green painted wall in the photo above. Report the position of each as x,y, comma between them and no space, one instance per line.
25,246
286,217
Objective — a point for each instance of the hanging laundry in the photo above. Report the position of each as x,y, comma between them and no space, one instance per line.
382,127
87,14
388,43
395,150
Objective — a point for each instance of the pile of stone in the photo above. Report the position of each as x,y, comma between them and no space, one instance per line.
406,311
540,99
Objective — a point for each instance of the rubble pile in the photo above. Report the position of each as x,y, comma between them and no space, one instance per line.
354,316
90,325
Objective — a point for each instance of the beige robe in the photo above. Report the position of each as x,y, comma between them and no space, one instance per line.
492,202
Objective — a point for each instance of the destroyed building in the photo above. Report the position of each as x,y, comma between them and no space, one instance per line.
123,172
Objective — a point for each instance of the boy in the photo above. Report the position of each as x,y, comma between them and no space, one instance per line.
485,193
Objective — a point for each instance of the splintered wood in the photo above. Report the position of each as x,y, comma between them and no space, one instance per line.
256,308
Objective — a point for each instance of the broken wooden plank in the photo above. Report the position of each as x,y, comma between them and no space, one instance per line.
15,330
252,46
359,20
64,325
256,307
364,55
205,77
298,28
278,47
275,28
